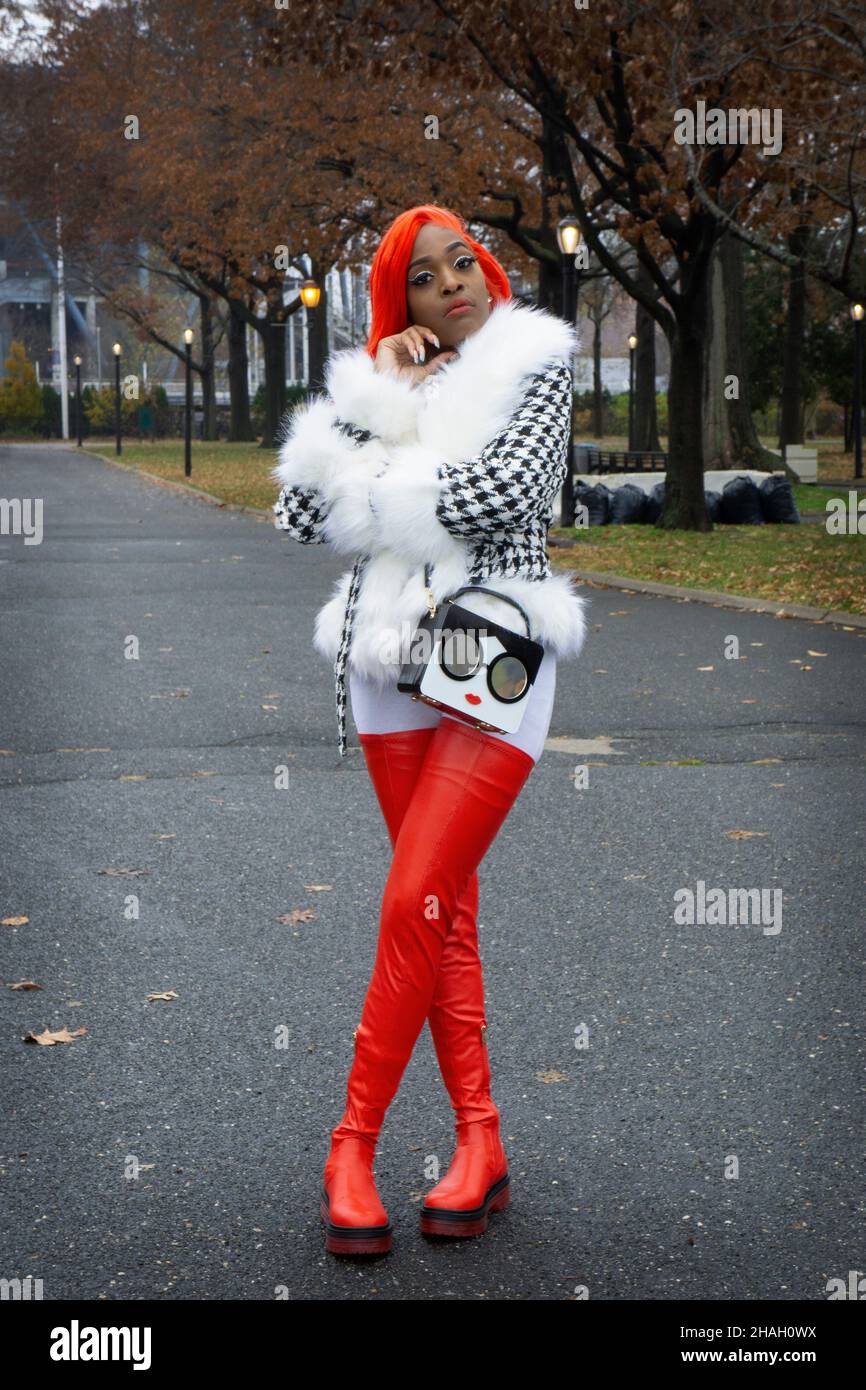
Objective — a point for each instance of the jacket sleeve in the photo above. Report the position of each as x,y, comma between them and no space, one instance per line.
423,504
301,512
333,449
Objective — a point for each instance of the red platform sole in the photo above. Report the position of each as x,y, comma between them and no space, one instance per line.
353,1240
443,1221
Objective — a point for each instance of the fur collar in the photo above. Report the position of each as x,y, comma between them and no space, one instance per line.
463,403
472,396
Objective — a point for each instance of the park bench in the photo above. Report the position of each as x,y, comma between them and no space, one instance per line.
589,459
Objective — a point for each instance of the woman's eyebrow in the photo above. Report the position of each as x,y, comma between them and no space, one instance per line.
449,247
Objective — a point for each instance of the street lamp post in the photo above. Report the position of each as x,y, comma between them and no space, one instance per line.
310,294
857,312
116,350
568,239
77,361
632,344
188,336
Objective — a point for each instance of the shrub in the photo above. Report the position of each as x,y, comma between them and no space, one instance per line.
100,412
20,394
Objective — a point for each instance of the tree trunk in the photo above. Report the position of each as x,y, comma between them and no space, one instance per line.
746,447
273,334
730,437
717,449
685,507
550,278
550,287
646,425
240,422
207,373
597,397
791,427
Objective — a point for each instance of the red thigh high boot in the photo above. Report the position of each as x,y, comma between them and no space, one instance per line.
466,785
457,1015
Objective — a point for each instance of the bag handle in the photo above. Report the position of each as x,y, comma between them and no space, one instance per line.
480,589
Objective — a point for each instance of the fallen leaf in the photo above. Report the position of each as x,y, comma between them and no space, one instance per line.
167,836
745,834
298,914
166,994
119,873
268,706
24,984
48,1039
706,668
811,653
13,921
318,887
548,1076
134,777
760,762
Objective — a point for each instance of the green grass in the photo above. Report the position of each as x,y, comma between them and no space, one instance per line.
810,498
790,564
237,473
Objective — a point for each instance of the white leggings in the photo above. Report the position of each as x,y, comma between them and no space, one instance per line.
387,710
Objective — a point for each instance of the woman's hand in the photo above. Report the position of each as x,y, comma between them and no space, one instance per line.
413,354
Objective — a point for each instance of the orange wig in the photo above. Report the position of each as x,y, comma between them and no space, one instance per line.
390,310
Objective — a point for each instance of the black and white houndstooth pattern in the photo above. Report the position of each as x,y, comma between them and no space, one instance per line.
302,513
510,485
498,502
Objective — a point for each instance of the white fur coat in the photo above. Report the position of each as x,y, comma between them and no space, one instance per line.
385,492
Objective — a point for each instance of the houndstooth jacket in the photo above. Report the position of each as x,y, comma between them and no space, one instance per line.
458,472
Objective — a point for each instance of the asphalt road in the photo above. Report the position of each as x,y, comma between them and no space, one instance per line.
708,1143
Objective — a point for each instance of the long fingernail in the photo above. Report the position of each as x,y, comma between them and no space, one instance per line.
423,355
436,341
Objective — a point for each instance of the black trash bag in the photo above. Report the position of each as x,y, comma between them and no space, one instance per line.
596,499
627,505
777,500
714,506
741,503
654,505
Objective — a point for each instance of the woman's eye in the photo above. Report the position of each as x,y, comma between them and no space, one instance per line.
462,262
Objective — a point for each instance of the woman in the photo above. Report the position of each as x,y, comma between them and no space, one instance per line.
435,457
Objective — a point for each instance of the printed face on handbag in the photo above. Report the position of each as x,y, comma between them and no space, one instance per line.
480,669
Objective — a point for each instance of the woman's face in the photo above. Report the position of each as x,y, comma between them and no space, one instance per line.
445,289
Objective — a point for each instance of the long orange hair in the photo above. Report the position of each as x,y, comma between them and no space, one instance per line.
390,310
